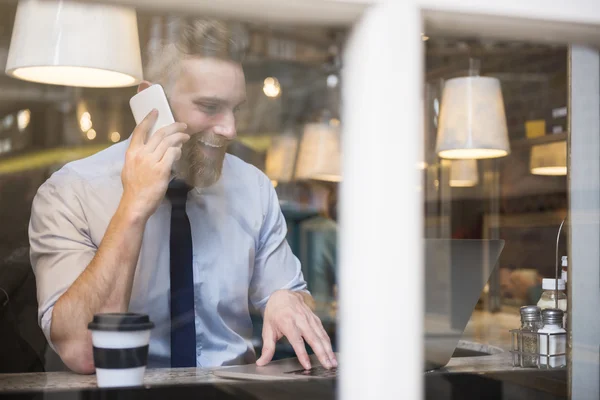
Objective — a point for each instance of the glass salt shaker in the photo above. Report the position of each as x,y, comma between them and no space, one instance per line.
531,322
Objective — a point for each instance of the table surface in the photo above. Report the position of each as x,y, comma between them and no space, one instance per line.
501,361
47,381
484,333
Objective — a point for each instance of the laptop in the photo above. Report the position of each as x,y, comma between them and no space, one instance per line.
455,273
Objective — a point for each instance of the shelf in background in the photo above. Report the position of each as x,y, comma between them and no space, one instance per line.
548,138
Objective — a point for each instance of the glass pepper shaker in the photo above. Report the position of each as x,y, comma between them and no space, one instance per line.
531,322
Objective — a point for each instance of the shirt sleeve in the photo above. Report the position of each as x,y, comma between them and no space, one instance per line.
60,245
275,266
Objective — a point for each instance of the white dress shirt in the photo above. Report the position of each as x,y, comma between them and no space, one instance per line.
240,253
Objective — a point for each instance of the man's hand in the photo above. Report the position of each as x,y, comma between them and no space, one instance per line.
288,315
148,164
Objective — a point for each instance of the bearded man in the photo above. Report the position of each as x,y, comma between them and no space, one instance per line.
174,227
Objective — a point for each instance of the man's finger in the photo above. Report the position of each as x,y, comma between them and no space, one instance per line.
268,349
163,133
175,140
171,155
318,326
140,133
292,333
314,341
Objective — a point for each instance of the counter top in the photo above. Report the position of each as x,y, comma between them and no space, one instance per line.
485,332
48,381
492,328
498,361
495,363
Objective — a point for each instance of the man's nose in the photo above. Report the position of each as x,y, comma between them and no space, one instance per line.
226,127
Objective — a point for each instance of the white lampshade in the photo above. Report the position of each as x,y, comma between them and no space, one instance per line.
320,153
549,159
472,123
281,157
75,44
464,173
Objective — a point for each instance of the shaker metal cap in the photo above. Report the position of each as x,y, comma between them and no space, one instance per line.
531,313
552,316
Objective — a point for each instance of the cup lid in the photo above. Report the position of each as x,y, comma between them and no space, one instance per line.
120,322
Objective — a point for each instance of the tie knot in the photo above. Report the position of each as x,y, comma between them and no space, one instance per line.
177,192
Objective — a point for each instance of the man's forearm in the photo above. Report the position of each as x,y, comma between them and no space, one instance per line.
104,286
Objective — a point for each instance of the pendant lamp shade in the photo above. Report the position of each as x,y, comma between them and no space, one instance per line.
281,157
320,153
472,122
75,44
549,159
464,173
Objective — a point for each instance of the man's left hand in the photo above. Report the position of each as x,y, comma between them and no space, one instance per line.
288,315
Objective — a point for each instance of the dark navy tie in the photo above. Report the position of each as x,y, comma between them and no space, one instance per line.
183,329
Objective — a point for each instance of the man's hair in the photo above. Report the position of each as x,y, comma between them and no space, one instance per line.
190,39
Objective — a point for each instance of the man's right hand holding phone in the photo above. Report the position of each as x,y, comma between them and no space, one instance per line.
148,164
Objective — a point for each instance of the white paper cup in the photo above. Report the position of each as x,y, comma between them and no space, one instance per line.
120,343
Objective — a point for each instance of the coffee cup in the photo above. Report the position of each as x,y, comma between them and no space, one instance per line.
120,343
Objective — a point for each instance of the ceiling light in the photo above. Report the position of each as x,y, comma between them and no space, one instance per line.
320,153
464,173
281,156
549,159
472,122
75,44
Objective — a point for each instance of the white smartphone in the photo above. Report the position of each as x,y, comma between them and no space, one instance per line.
152,97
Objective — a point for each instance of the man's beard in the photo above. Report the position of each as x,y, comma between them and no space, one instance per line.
201,165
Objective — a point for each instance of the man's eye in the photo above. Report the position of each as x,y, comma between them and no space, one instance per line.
210,108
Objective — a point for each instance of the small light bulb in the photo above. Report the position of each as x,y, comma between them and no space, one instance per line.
8,121
91,134
332,80
271,87
115,137
23,119
85,122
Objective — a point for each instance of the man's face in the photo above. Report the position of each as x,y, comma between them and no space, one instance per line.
206,96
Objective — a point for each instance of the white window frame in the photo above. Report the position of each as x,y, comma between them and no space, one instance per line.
381,283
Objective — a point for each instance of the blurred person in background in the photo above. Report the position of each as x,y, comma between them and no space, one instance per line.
99,229
520,284
319,250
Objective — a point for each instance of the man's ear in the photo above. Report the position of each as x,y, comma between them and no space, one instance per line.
144,85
